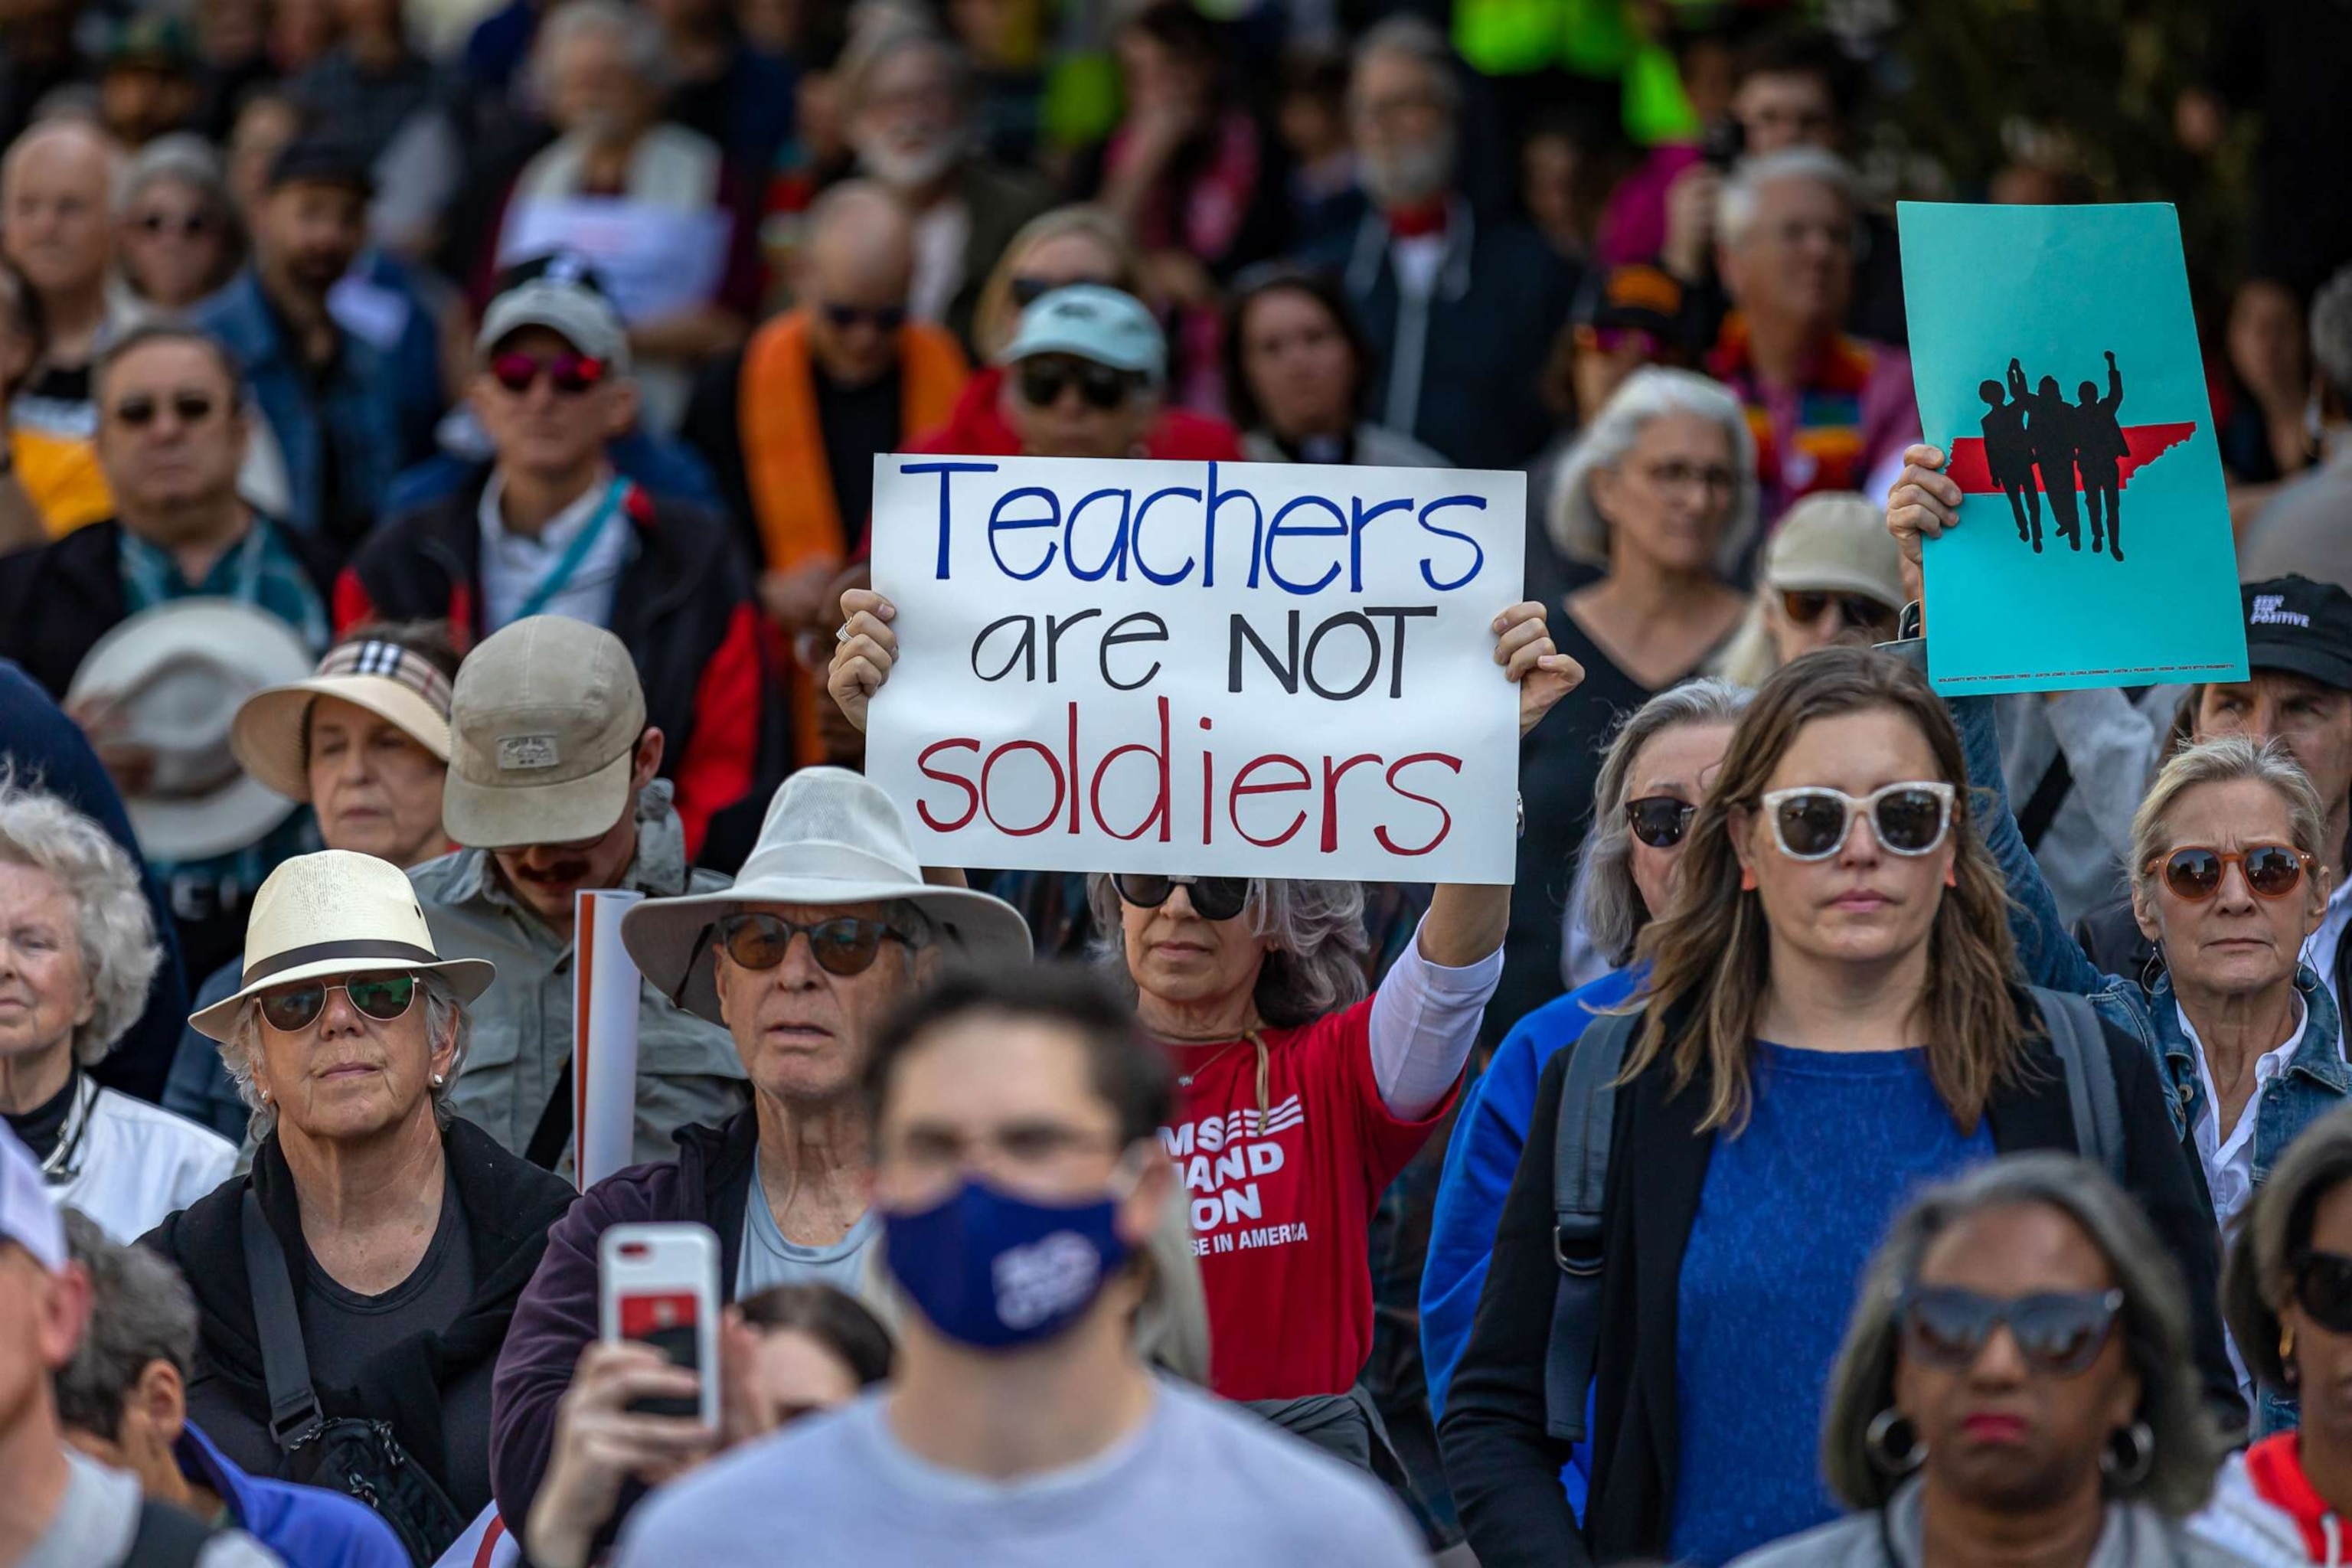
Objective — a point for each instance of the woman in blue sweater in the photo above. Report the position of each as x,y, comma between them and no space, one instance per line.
1832,1024
1658,767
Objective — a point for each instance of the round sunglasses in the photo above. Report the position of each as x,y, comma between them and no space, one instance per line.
1659,820
573,373
2194,872
843,945
2059,1333
1212,897
383,997
1812,822
2323,1288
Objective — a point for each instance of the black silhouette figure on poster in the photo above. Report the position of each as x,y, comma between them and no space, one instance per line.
2099,449
2009,451
2051,425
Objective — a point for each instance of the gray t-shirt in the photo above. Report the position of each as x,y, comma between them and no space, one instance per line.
1198,1481
97,1520
343,1331
767,1258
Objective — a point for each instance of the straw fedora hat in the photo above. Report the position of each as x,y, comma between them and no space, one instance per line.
832,836
173,677
333,913
396,684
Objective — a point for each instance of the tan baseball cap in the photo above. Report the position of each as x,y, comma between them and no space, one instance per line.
1836,542
543,724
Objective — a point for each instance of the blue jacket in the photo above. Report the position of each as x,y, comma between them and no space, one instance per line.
309,1527
358,409
2316,1079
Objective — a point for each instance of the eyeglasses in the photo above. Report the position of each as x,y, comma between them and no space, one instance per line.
1043,382
1680,475
187,225
2194,872
2323,1288
884,318
2059,1333
573,373
1659,820
139,410
1811,823
1213,897
1806,605
843,945
383,997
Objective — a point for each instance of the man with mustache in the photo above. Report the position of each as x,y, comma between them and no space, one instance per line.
552,787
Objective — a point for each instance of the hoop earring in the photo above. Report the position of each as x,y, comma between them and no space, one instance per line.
1878,1443
2123,1474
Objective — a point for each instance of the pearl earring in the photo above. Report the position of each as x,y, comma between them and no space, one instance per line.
437,1080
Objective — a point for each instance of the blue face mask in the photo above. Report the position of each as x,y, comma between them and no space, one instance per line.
996,1271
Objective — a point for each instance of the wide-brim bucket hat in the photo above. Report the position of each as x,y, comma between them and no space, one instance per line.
398,685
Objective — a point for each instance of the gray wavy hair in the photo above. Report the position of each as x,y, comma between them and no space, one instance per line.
640,35
1319,940
1735,206
113,924
1652,392
1605,896
140,1310
2227,758
445,1018
2155,1323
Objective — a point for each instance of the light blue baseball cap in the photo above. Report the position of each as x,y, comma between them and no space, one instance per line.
1089,321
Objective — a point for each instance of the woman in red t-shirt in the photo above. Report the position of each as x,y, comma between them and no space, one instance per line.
1299,1098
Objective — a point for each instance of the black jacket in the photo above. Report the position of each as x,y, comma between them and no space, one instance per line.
56,602
507,1202
1504,1470
684,606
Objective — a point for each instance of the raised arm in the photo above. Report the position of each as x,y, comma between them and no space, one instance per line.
2017,381
2115,398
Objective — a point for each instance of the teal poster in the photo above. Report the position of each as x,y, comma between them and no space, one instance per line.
2056,363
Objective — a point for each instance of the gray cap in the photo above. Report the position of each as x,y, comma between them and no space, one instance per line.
562,298
1089,321
543,727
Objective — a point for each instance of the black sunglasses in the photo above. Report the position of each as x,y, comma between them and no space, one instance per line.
2058,1332
139,410
1806,605
1027,291
2323,1288
885,318
1043,382
843,945
1659,820
383,997
187,225
1213,897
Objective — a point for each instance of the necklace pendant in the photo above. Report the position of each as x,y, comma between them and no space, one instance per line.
1183,1080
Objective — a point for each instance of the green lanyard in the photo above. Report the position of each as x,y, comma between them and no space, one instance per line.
559,576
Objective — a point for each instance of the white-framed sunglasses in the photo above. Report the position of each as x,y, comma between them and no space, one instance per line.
1811,821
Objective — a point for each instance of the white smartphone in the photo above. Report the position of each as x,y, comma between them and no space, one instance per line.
658,1284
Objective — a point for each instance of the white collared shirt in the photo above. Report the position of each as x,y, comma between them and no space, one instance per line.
2230,1162
513,564
2319,951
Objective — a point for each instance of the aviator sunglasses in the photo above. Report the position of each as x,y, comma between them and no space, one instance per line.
1806,605
1213,897
2057,1332
573,373
383,997
2194,872
1812,822
1043,381
843,945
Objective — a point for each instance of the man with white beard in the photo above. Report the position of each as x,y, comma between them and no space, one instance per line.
906,100
1462,311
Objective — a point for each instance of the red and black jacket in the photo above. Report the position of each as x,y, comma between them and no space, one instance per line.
684,607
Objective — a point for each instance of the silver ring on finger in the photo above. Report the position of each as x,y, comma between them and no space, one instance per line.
841,633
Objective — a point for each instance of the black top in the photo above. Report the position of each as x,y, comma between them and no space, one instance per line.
857,422
40,1127
342,1329
1504,1469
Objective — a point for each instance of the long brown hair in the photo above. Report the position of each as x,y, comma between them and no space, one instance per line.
1710,958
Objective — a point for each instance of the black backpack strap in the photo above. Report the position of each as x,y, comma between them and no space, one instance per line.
553,1133
2041,806
294,1413
167,1538
2090,1096
1580,1181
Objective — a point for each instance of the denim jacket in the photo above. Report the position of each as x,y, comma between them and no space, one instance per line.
2316,1081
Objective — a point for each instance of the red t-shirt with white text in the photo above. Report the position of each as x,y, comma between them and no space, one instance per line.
1281,1208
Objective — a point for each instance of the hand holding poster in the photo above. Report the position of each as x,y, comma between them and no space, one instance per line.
2056,363
1219,669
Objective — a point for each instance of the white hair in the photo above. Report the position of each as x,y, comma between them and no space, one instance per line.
640,37
113,924
445,1018
1416,40
1735,206
1577,526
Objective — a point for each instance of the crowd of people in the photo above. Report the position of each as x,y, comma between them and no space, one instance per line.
1873,1127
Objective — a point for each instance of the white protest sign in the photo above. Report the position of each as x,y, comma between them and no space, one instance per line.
1217,668
603,1035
